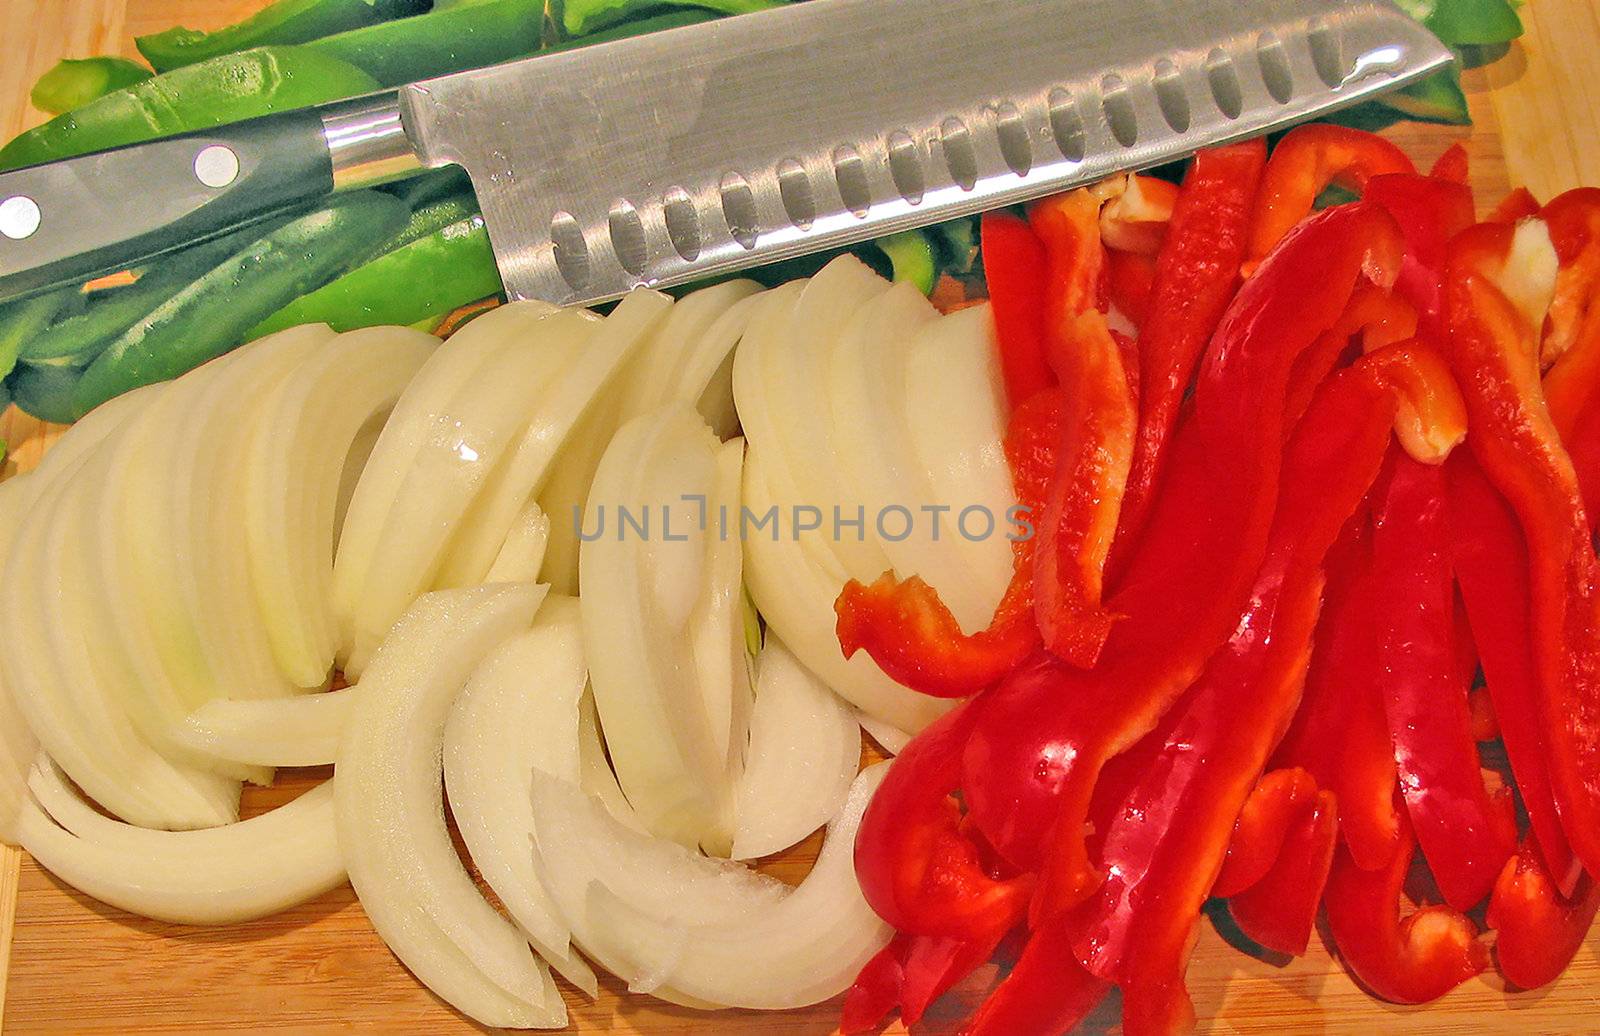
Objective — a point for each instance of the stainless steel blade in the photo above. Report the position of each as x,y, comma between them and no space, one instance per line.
674,156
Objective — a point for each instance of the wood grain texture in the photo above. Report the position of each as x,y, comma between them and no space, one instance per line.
79,967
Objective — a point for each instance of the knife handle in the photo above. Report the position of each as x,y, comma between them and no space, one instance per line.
69,221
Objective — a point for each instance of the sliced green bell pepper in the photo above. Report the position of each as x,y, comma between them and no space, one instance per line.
286,21
74,83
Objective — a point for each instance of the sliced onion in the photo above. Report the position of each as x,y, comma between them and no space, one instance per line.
595,773
300,446
583,380
717,625
518,713
805,748
796,597
391,828
522,554
640,595
760,948
890,739
710,367
17,743
955,409
221,876
302,730
472,435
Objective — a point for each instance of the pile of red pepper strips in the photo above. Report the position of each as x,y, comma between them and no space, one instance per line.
1344,464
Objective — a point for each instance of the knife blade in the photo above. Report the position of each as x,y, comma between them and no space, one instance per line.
702,150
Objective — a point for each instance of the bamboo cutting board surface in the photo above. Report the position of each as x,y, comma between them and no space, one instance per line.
79,967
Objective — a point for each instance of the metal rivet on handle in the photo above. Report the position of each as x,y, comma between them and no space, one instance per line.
19,217
216,165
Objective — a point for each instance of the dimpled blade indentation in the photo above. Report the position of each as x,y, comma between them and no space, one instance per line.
1116,100
739,210
1015,147
627,236
1223,80
683,224
960,158
1275,70
571,250
794,189
1171,96
850,175
1326,53
1066,125
905,166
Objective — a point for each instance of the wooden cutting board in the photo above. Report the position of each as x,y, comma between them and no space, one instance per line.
79,967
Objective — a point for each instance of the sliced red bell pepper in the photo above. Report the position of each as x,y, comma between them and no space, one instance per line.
1130,278
1341,734
1494,351
1166,843
1196,275
1571,343
907,629
1279,911
1538,930
1014,269
1047,993
1410,961
1465,833
1096,448
1135,219
1584,447
916,868
1430,212
1307,161
1041,737
1490,557
1516,206
1380,317
1452,165
1278,802
909,974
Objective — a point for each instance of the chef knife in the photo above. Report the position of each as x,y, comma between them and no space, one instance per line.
700,150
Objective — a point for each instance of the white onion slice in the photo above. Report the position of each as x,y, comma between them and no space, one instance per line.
522,554
518,713
302,730
891,740
17,743
710,368
300,446
717,625
220,876
421,409
640,592
588,371
765,951
595,774
391,828
795,595
474,434
956,413
805,748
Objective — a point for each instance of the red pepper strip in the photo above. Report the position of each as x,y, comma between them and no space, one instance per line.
1307,161
1584,447
1380,317
1466,835
1430,212
1539,929
1452,165
1014,269
1408,961
1196,276
1279,911
907,629
915,867
1279,800
1166,844
1340,733
1136,219
1130,278
1490,557
910,973
1041,737
1494,353
1096,448
1047,993
1572,339
1485,727
1515,207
